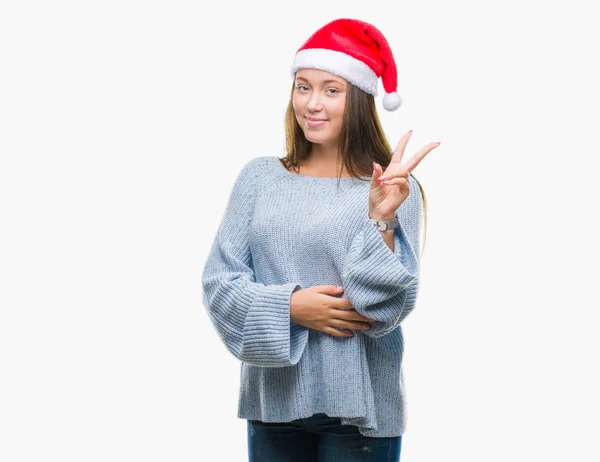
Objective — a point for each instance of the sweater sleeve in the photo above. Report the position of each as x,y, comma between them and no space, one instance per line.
251,318
380,283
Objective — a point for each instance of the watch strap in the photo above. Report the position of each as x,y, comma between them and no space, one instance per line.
384,225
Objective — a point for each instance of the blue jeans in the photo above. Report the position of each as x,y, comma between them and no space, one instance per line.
319,438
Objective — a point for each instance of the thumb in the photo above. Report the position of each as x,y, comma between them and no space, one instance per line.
377,172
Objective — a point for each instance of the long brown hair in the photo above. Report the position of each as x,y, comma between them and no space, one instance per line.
362,141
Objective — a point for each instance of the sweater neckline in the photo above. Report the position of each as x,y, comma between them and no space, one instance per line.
316,178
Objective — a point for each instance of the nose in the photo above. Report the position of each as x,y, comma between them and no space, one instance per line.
314,103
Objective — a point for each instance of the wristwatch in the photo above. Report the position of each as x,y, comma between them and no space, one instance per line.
385,225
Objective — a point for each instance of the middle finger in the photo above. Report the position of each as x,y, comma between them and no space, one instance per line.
418,157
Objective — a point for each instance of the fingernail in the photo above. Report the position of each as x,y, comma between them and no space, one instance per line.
382,177
340,288
373,165
438,143
410,131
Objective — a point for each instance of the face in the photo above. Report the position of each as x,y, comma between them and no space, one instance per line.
319,95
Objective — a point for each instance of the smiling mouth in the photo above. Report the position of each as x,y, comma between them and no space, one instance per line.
315,123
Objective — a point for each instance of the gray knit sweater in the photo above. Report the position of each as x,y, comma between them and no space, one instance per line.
282,232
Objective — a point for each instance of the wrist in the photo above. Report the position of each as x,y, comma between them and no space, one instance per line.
381,216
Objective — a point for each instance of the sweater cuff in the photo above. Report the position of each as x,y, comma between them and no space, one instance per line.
380,253
373,273
269,333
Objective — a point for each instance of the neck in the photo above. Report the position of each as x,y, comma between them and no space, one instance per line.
324,158
326,153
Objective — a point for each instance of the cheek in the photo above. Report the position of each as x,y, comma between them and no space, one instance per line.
339,115
338,109
296,100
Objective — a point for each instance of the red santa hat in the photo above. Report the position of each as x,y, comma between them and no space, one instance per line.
356,51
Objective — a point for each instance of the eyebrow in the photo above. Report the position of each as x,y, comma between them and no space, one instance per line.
324,81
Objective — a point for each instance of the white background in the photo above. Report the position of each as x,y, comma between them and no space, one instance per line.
122,128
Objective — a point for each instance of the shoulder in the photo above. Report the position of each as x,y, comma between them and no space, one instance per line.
262,169
259,163
255,170
252,165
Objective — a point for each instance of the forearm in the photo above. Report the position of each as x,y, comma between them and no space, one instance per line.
388,237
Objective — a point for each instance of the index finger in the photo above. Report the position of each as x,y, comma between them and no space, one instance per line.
344,304
399,151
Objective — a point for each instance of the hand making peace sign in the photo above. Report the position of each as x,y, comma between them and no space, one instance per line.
385,198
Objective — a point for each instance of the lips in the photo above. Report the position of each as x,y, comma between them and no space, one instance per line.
312,122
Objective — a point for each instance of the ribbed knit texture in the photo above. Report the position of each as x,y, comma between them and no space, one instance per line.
283,232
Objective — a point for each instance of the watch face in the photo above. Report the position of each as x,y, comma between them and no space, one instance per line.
385,225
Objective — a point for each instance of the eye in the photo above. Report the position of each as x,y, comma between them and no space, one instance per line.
300,86
336,91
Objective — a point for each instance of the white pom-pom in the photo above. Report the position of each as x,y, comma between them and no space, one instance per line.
392,101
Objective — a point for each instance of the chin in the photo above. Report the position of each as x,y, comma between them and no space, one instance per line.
315,139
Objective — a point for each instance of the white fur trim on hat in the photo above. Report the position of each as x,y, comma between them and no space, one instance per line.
353,70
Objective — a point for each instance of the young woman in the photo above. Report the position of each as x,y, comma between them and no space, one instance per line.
316,263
